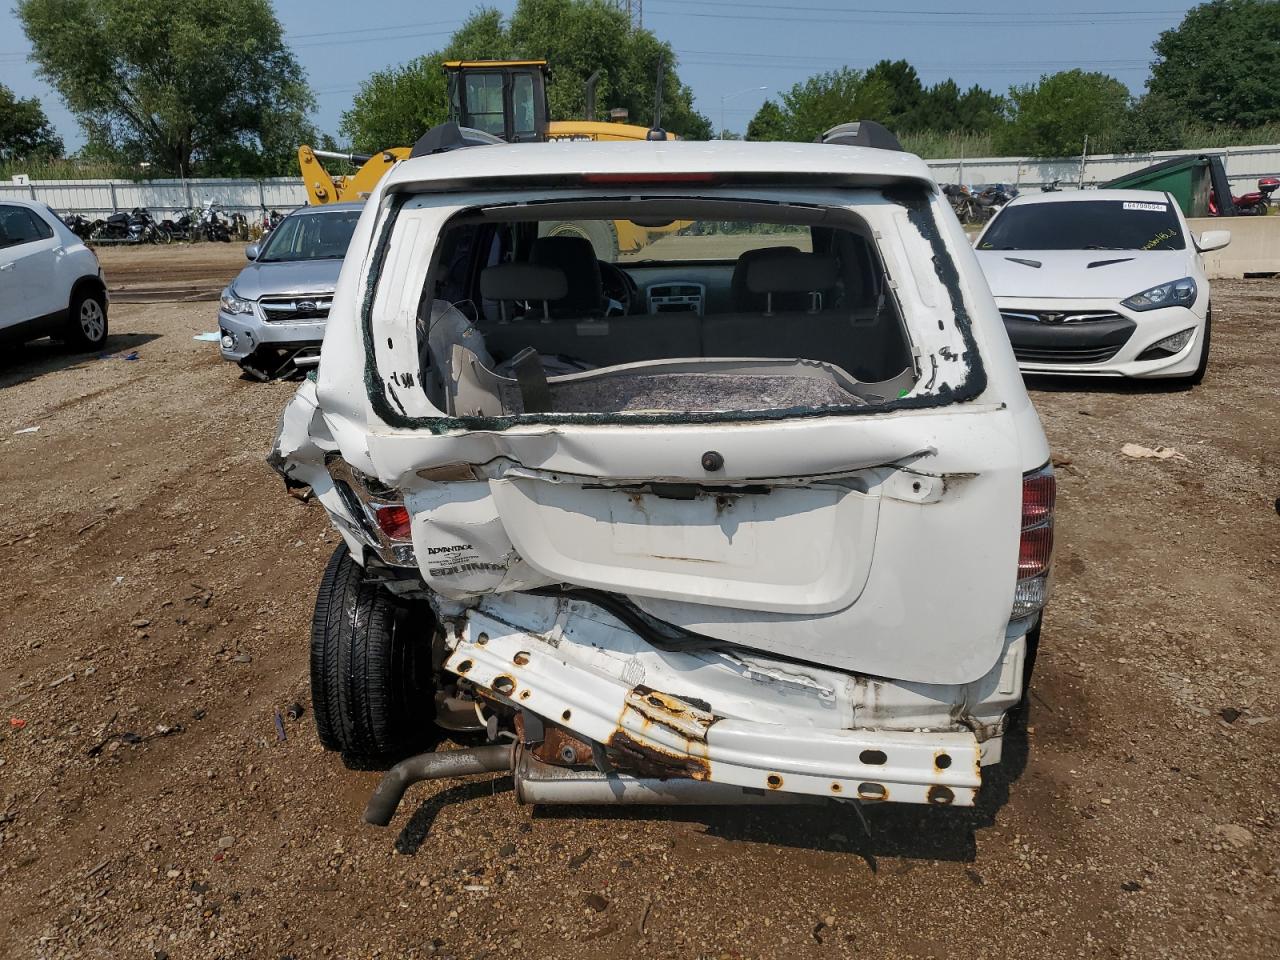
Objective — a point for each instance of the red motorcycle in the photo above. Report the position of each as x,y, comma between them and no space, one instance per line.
1257,203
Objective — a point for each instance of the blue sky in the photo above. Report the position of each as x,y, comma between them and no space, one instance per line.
727,48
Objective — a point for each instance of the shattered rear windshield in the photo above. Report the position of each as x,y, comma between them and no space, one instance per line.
1087,225
668,308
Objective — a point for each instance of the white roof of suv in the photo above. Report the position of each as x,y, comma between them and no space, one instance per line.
526,160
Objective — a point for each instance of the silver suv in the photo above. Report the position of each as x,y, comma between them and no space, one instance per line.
758,513
272,316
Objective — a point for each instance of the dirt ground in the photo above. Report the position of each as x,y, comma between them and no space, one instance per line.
155,607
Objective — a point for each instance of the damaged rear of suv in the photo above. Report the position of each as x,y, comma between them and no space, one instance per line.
760,513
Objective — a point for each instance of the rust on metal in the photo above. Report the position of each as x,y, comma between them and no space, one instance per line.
521,658
942,760
941,795
774,781
562,748
650,760
873,791
682,718
635,748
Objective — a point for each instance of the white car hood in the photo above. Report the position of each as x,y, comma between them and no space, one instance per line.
1080,274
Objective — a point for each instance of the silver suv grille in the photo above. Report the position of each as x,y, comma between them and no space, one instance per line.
294,309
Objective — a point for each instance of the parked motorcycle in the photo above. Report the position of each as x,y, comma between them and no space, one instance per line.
179,229
212,225
1257,202
990,200
80,225
270,221
114,229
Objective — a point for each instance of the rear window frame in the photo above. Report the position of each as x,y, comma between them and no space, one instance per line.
921,203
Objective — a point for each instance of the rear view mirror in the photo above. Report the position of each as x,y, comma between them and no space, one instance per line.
252,250
1213,240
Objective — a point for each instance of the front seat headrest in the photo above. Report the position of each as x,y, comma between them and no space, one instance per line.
577,259
744,301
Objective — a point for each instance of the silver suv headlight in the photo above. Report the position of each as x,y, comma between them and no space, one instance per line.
232,304
1176,293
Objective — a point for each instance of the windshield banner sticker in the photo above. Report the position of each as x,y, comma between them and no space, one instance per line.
1153,207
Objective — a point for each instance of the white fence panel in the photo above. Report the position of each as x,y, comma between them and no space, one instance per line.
98,198
1244,166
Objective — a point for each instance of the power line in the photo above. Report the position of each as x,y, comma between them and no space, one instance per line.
845,11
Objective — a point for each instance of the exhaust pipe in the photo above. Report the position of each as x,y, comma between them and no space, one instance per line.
432,766
589,95
538,782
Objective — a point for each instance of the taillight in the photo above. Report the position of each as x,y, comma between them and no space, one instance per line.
394,522
1035,549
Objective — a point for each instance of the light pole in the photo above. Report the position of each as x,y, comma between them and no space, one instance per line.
730,96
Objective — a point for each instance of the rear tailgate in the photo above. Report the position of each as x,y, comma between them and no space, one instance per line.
867,543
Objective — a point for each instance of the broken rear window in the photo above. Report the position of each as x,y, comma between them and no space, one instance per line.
669,306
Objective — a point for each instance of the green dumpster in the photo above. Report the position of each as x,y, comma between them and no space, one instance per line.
1194,181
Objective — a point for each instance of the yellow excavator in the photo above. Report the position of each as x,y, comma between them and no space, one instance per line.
506,99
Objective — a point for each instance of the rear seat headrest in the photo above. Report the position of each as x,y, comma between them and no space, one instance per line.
790,271
523,281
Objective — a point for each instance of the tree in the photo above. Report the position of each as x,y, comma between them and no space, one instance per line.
769,123
577,37
1051,118
25,132
200,82
906,96
890,92
814,106
1220,64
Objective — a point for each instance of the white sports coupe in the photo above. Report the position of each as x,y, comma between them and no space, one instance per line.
1101,283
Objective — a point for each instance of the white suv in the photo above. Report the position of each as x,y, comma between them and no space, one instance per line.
760,513
50,283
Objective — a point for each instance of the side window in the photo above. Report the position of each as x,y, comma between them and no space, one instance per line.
19,225
522,105
484,103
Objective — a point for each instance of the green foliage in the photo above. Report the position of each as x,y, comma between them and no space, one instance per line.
1221,64
25,132
769,123
811,108
205,85
577,37
890,92
1051,118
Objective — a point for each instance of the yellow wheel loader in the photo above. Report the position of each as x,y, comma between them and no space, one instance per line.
506,99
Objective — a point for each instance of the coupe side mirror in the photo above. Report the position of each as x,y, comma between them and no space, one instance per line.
1213,240
252,250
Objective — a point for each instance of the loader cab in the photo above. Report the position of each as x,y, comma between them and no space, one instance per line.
505,98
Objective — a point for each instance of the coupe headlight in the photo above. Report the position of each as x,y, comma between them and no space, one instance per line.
232,304
1178,293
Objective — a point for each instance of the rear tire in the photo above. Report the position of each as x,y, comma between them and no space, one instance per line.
603,236
1198,377
371,691
86,326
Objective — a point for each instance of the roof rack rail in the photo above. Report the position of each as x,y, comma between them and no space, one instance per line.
862,133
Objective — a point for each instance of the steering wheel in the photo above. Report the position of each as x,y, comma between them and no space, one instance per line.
618,286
